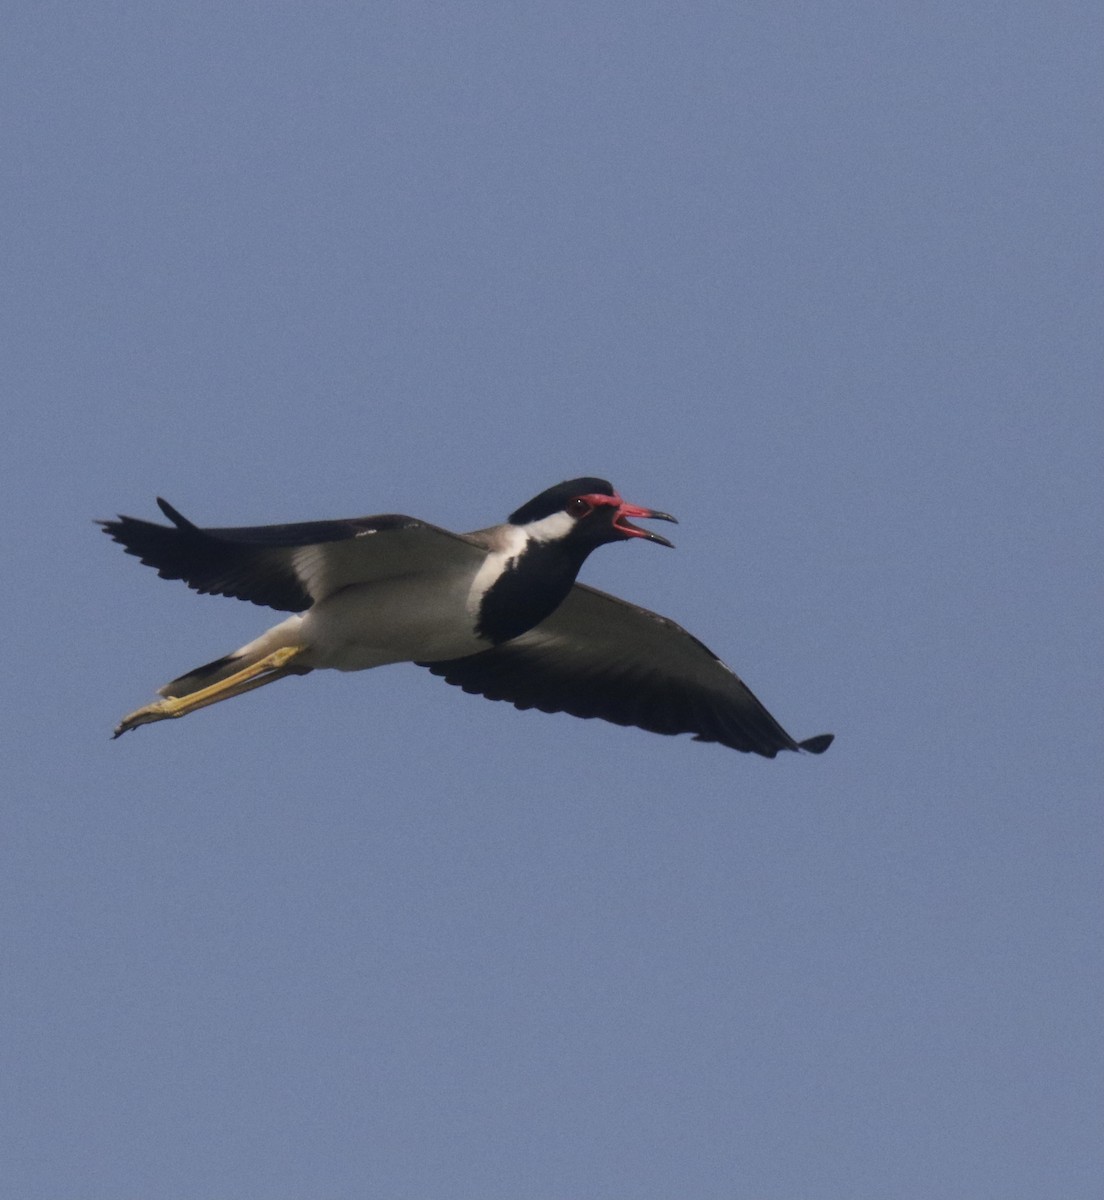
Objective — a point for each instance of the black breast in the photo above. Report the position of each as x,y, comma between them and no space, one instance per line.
531,588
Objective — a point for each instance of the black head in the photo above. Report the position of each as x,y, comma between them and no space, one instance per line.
554,499
587,511
561,526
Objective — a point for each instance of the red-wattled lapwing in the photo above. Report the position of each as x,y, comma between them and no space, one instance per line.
496,612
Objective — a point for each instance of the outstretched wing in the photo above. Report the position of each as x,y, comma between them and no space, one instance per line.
289,567
598,656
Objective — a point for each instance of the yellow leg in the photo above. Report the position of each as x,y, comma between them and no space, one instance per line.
267,670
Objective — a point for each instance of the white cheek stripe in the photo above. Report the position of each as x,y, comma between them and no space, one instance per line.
551,529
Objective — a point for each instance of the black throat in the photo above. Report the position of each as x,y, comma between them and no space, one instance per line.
531,588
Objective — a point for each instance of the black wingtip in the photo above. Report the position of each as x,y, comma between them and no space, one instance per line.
113,529
818,744
178,519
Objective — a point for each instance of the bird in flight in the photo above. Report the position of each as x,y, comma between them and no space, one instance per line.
496,612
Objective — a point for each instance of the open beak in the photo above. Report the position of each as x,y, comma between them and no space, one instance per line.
622,523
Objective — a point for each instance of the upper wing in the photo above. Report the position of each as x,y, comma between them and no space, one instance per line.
289,567
598,656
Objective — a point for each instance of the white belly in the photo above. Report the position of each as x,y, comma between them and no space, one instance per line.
385,622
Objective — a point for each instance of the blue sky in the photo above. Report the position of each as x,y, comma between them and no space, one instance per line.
823,281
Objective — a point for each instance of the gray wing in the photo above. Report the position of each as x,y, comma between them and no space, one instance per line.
289,567
598,656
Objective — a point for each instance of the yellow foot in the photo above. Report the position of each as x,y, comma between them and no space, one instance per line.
143,716
267,670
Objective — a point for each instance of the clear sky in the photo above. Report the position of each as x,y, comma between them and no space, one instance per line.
823,280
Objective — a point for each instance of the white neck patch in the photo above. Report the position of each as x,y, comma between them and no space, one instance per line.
512,541
550,529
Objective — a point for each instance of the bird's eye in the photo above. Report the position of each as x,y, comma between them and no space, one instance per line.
579,506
